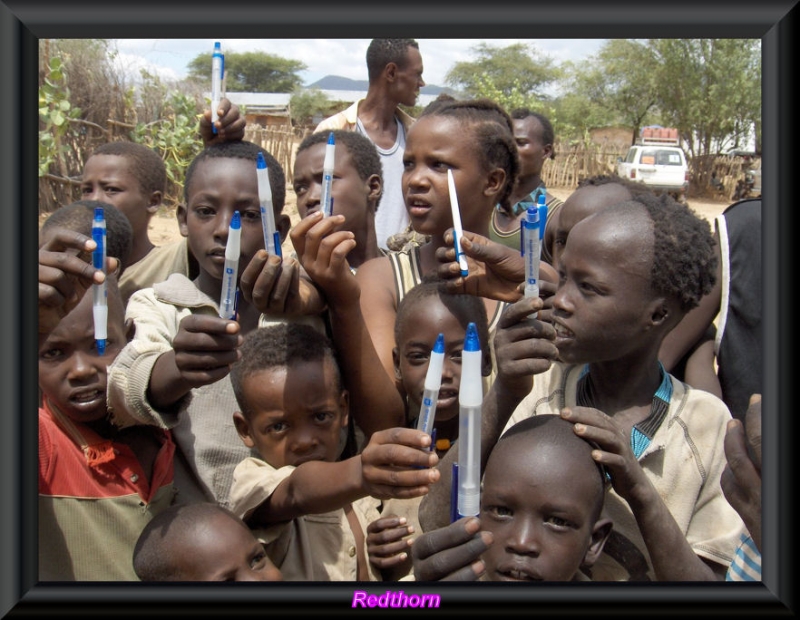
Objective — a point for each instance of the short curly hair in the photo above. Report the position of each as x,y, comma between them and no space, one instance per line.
145,164
383,51
494,135
279,346
684,253
242,149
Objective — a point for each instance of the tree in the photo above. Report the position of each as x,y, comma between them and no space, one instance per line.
306,104
251,72
511,71
621,82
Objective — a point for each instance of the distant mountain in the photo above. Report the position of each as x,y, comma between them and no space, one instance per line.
337,82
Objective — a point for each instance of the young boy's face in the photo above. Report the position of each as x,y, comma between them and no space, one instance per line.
220,186
222,550
71,373
412,355
433,145
604,306
108,178
351,194
297,413
540,503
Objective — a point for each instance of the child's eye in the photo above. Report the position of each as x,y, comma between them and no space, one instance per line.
408,165
560,241
559,522
323,416
498,511
51,354
257,561
299,190
252,216
203,212
278,427
417,357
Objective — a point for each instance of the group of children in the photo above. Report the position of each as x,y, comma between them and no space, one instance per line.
283,443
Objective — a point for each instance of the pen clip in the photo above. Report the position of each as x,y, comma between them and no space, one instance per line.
454,494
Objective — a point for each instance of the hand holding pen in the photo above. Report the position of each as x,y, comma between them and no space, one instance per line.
100,305
326,203
458,232
228,295
272,238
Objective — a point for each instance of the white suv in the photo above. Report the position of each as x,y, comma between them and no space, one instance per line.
661,167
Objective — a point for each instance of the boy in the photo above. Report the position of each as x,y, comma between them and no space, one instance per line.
310,509
201,542
98,486
174,373
541,504
628,274
356,188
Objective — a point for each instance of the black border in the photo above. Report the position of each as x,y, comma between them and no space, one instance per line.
23,22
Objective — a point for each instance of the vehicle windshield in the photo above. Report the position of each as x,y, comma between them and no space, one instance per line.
661,157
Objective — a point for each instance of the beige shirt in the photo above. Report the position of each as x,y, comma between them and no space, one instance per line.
155,267
317,547
684,461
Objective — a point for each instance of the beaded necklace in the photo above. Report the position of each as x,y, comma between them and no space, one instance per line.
642,432
523,204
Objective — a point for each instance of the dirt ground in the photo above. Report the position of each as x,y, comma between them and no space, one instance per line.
164,226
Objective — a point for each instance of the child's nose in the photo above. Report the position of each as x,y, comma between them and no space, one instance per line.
82,366
525,539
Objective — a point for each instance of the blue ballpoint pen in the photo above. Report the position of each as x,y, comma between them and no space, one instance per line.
217,71
541,206
227,299
272,238
458,232
470,399
326,202
531,251
430,394
100,306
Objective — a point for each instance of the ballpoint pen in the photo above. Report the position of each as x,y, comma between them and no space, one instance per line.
470,399
272,238
541,206
100,306
433,381
217,71
227,299
458,232
531,251
326,202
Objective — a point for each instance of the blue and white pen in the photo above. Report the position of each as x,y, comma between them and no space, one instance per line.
326,202
100,304
227,299
541,206
272,238
470,399
217,71
430,394
530,241
458,232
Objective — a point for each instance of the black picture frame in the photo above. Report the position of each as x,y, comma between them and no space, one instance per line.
23,23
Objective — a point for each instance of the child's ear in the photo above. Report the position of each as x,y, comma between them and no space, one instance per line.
181,213
284,224
662,312
155,203
243,428
495,182
396,360
344,405
375,186
130,329
600,533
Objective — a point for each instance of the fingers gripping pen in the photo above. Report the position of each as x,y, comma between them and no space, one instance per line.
217,71
458,232
100,305
433,381
470,398
272,238
326,203
227,300
531,252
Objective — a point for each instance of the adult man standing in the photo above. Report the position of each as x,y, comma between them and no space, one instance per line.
394,68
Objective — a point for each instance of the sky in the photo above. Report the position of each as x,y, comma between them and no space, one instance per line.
169,58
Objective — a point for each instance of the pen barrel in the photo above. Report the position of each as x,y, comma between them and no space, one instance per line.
227,300
470,399
325,202
100,315
427,410
458,231
216,84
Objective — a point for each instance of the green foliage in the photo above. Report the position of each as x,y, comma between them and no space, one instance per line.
55,110
250,72
174,136
515,71
307,103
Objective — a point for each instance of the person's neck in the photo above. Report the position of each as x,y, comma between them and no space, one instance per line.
365,250
377,112
524,187
141,248
623,384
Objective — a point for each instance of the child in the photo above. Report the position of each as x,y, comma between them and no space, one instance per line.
98,486
356,188
541,503
473,139
174,373
628,274
133,178
310,509
201,542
